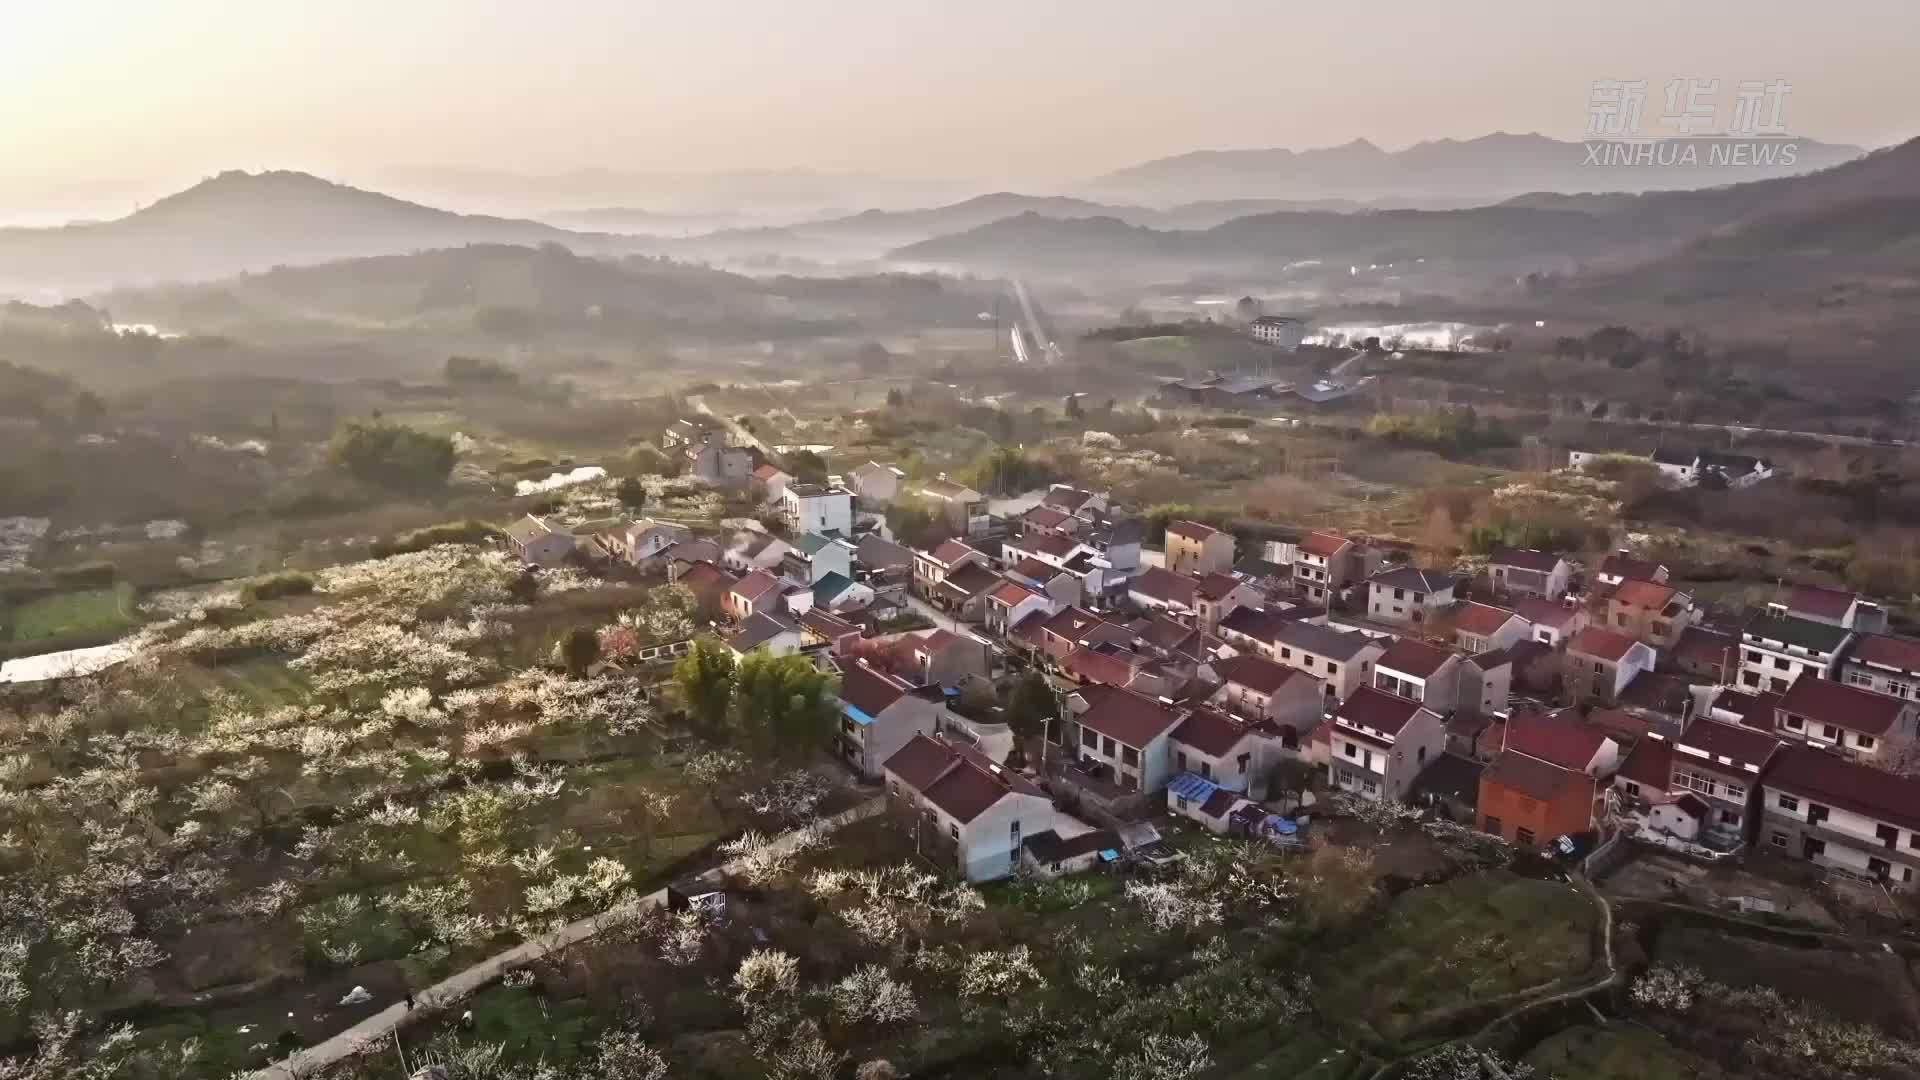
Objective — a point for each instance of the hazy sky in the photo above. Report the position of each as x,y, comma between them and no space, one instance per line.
146,96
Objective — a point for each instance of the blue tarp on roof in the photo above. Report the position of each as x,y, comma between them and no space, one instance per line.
1192,788
853,713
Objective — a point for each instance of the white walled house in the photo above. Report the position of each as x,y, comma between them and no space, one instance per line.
1380,742
964,807
1409,594
816,508
1851,719
1127,733
1478,628
1884,663
1529,572
1414,669
1853,818
1777,648
539,542
880,713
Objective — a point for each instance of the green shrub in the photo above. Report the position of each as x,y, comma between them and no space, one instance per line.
274,586
453,532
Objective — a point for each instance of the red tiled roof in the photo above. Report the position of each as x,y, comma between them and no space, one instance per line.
1852,707
1699,645
1619,725
1650,764
1128,717
870,691
1011,593
1065,498
1481,619
1644,594
1256,673
1212,733
1826,777
1630,568
1757,711
1377,709
1563,738
1530,776
920,762
1219,802
1601,642
768,472
1545,612
756,585
969,581
1815,602
1902,654
1055,544
1191,530
1031,567
702,576
1215,586
1324,544
1658,691
950,552
1100,666
1415,658
1743,745
1164,585
1046,517
1542,562
1263,626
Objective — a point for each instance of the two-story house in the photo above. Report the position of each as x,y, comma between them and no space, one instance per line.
1851,719
1777,648
1862,821
930,568
814,556
1160,589
644,542
1649,611
770,481
1258,629
1217,596
1342,661
1255,688
1486,683
1622,565
1127,733
1836,607
880,713
1224,750
1887,664
1478,628
1193,548
1011,601
1379,743
1423,672
1554,623
537,541
962,508
1324,564
1722,765
817,508
875,484
964,806
1409,594
1601,664
715,461
758,591
1530,802
1519,572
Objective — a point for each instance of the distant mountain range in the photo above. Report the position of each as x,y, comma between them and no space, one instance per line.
1485,170
238,222
1527,234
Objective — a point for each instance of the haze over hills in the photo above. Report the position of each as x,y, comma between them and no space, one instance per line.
237,222
1485,169
1533,233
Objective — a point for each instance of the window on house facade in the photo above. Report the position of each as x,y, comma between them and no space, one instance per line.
1734,792
1753,657
1864,742
1828,731
1859,678
1795,723
1243,761
1779,839
953,831
1788,802
1523,837
1180,760
1631,788
1206,770
1106,745
1399,594
1352,750
1013,830
1750,679
1492,825
1129,756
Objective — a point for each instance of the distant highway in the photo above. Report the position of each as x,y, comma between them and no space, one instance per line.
1048,349
1741,430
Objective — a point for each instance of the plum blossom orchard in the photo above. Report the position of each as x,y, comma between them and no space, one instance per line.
365,775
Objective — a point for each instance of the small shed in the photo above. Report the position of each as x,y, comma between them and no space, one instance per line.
693,894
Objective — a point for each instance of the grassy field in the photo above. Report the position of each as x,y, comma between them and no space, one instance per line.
1444,949
74,614
1619,1052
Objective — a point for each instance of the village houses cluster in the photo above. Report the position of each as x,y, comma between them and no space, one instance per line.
1545,698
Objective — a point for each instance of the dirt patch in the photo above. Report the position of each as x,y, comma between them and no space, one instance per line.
1722,888
1865,987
